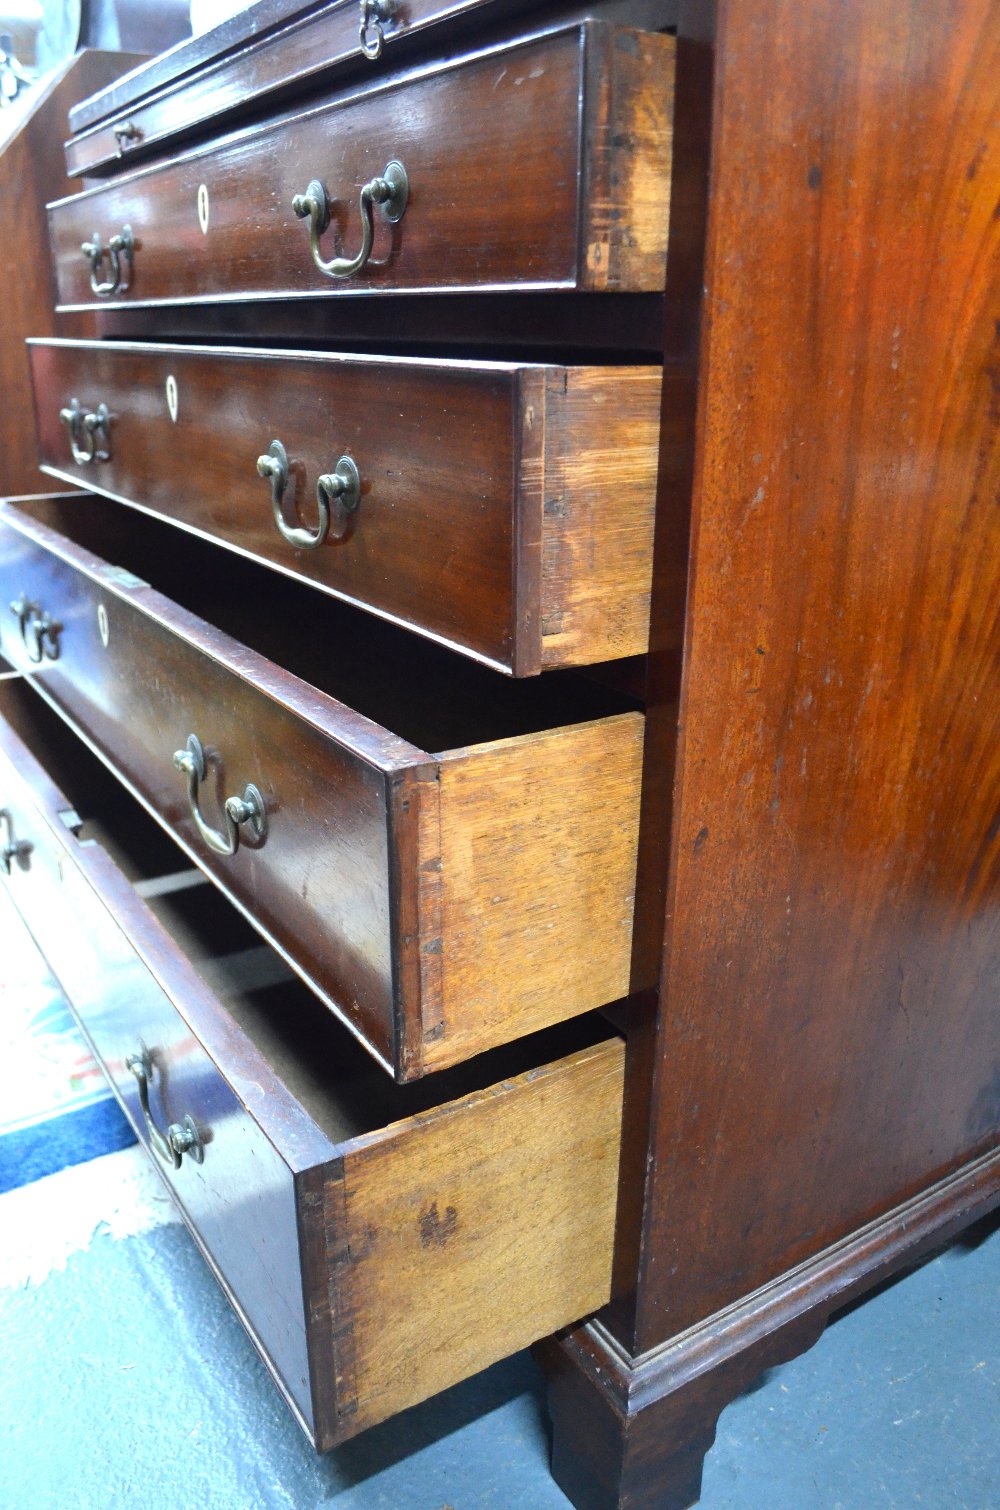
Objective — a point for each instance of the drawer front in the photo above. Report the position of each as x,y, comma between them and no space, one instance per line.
176,94
122,122
490,511
577,199
431,541
234,1189
373,1270
318,885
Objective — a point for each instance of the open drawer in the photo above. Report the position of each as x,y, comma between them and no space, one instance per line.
378,1242
502,508
398,185
446,856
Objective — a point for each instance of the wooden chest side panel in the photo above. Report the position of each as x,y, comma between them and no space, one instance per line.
536,887
476,1228
832,974
601,448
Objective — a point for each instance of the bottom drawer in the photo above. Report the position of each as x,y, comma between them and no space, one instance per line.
379,1242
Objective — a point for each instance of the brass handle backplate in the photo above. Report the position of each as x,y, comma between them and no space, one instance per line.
248,809
390,191
83,430
12,848
180,1138
338,494
119,251
39,630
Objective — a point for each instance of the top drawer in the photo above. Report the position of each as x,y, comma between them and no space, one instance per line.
576,199
262,53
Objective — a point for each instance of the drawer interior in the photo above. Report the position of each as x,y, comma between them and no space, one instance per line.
434,698
334,1078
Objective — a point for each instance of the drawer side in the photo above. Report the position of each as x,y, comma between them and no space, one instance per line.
628,149
600,469
535,890
479,1227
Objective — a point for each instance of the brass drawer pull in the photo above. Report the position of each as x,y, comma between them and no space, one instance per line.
125,132
12,848
84,427
180,1138
119,252
39,631
373,14
337,493
248,809
391,191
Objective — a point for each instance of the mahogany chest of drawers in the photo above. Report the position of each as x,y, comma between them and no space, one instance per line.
503,752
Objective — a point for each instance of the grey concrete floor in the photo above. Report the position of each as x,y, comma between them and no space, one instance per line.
126,1380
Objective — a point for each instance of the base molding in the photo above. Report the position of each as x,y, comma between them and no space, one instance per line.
631,1433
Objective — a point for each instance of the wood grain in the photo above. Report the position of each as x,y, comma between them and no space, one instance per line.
475,1228
475,219
600,468
832,964
537,856
446,488
628,152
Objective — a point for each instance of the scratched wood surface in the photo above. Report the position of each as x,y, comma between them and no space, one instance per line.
602,439
255,59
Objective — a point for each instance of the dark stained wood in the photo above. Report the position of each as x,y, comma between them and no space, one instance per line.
31,171
447,490
671,553
561,327
813,1101
256,59
832,965
491,876
634,1432
543,214
319,1184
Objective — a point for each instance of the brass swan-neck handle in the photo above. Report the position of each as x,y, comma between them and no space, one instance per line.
390,191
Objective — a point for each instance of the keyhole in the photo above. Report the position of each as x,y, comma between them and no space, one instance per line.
203,208
171,386
102,624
